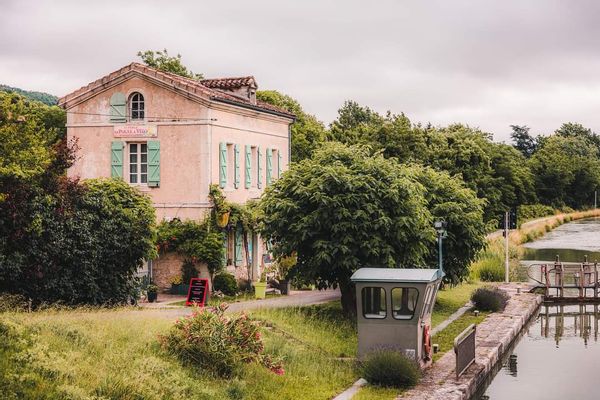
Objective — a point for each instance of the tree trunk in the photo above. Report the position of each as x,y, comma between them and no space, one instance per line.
348,298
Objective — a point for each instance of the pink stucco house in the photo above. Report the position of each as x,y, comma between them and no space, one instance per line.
171,137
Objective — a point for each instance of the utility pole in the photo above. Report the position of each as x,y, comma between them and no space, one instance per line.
506,266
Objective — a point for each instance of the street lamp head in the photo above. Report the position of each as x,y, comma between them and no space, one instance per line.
440,225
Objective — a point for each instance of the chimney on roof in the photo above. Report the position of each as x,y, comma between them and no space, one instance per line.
244,87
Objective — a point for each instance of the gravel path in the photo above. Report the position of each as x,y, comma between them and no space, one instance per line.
296,298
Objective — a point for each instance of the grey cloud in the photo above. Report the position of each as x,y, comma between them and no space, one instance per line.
486,63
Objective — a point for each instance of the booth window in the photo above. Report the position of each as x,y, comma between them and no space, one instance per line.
373,302
404,302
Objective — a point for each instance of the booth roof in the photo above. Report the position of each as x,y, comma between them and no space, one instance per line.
395,275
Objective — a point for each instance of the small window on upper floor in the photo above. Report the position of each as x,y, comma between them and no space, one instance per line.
136,106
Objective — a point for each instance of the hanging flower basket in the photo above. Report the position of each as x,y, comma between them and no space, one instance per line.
223,219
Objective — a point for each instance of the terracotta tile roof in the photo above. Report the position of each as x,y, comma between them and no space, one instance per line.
191,86
230,83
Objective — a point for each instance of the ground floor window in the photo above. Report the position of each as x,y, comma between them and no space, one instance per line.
138,163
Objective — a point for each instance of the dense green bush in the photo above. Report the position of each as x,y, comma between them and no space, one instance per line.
528,212
210,341
82,244
491,272
225,283
490,299
390,368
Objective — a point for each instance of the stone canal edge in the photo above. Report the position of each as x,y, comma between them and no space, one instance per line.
494,337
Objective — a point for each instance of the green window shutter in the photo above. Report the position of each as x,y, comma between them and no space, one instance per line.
153,163
259,168
118,108
236,165
222,165
116,159
238,246
269,165
225,247
278,164
248,167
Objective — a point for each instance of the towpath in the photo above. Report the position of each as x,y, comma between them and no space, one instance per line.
294,299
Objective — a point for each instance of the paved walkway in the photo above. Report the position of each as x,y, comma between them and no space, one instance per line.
295,298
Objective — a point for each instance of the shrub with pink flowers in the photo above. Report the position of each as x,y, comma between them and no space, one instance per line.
210,340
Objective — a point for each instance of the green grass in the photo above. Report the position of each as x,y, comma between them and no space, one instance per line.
451,299
114,354
214,301
376,393
445,338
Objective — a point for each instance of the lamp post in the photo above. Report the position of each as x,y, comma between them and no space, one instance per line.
440,227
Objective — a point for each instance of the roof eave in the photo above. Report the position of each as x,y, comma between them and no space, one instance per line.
255,108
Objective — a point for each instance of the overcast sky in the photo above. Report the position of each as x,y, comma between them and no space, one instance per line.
486,63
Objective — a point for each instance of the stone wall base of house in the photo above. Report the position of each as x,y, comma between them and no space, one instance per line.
168,266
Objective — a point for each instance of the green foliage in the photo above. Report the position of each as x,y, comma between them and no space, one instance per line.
163,62
528,212
524,142
391,369
28,130
210,341
345,209
188,271
566,171
82,244
196,241
225,283
47,99
490,299
449,199
491,272
496,172
307,131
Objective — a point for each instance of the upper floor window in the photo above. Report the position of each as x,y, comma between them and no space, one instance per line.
136,106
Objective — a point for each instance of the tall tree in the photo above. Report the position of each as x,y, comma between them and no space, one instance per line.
162,61
523,141
308,133
346,208
566,171
28,130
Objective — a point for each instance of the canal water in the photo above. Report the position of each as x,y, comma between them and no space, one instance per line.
570,241
558,354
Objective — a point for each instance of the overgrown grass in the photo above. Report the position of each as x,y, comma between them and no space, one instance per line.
115,355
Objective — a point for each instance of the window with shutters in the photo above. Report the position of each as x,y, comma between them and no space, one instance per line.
136,106
138,163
